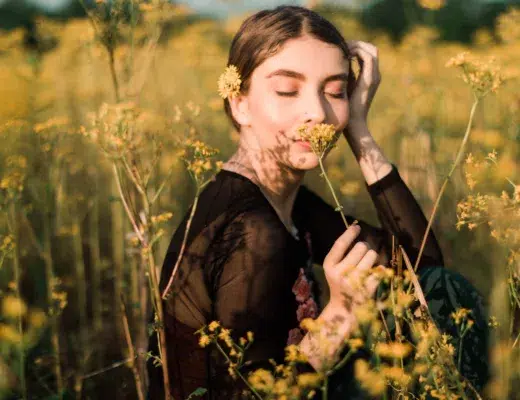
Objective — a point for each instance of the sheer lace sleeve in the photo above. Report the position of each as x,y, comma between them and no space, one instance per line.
399,214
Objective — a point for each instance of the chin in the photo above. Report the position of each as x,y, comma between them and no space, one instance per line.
304,161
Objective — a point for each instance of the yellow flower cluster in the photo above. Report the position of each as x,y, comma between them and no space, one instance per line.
393,349
198,158
229,82
431,4
321,137
460,315
370,380
234,353
161,218
483,77
508,25
13,307
55,122
500,213
12,183
7,244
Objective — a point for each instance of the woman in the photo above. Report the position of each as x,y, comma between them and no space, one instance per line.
257,228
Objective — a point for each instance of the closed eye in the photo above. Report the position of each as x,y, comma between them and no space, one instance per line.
341,95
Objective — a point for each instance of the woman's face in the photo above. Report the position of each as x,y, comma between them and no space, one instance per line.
304,83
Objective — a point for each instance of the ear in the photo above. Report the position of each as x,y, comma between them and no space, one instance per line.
240,109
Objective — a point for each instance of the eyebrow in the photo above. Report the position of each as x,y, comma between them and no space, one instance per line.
293,74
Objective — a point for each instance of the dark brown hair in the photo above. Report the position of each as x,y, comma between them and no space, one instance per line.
263,34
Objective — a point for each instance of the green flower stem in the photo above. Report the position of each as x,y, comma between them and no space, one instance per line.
13,227
154,285
339,207
342,362
237,371
455,164
183,245
325,387
200,187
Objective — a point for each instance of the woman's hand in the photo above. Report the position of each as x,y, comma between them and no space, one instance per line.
348,275
363,89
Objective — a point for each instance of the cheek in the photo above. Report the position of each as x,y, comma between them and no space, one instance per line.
271,120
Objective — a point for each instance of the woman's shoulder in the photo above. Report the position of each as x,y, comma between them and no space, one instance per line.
229,200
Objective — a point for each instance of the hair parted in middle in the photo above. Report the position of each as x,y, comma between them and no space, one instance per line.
263,34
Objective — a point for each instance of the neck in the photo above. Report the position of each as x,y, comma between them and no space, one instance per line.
279,183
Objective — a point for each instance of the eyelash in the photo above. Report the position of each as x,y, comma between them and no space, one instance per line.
293,94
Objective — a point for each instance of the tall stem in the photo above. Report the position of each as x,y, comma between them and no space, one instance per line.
339,207
50,279
13,228
441,192
183,246
131,352
79,264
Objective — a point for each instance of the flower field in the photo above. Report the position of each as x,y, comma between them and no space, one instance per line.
111,125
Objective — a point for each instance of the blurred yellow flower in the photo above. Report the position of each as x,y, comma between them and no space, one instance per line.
13,307
9,334
483,77
309,379
431,4
262,380
393,349
370,380
508,25
204,340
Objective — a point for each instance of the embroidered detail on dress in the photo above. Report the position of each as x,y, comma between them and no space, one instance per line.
307,307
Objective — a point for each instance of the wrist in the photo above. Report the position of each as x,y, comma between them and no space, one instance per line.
355,125
336,313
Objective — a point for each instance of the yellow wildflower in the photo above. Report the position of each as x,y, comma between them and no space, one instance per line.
372,381
460,315
13,307
310,380
309,324
9,334
157,219
508,25
293,354
262,379
483,77
355,343
393,349
321,137
431,4
396,375
204,340
229,82
213,326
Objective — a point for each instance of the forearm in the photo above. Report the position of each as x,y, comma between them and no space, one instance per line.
323,346
373,163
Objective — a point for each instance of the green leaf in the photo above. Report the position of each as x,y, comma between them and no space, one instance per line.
197,393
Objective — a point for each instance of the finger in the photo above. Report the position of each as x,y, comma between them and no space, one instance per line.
340,246
367,48
367,60
354,256
371,284
368,260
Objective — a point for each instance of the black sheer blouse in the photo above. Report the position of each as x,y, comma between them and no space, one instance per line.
241,263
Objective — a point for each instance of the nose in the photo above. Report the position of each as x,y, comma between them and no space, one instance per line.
315,111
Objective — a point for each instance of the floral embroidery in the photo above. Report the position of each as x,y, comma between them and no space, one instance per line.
307,306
